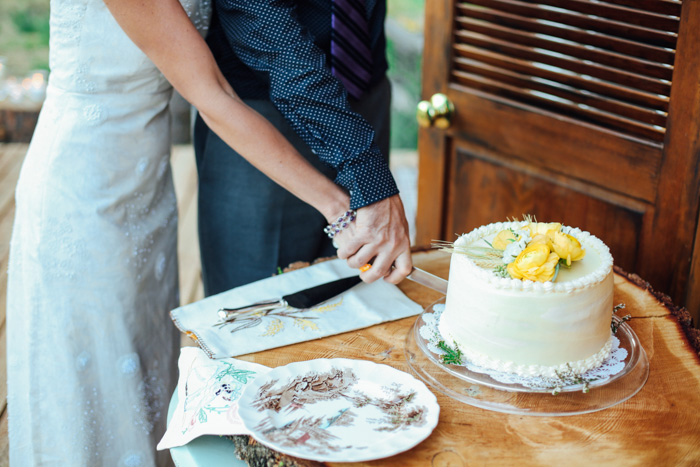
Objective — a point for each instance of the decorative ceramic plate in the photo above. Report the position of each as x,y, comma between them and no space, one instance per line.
482,390
338,410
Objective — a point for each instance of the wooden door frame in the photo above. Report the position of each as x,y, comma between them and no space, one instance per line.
673,217
682,155
432,163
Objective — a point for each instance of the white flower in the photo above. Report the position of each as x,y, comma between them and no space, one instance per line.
515,248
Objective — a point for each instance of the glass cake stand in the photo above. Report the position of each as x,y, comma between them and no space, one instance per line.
480,390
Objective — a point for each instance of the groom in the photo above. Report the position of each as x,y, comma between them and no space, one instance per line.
278,58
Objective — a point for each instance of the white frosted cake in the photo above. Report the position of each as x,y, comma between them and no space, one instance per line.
534,325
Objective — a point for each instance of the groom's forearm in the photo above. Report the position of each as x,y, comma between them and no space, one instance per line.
267,37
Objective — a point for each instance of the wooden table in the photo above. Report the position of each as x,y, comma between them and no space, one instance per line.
658,426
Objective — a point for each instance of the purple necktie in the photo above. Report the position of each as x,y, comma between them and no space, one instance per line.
351,57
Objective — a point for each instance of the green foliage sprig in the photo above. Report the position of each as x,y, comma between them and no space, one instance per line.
501,271
452,356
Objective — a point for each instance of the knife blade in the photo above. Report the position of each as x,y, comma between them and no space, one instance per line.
306,298
313,296
427,279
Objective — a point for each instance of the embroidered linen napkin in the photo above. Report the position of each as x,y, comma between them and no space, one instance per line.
362,306
207,395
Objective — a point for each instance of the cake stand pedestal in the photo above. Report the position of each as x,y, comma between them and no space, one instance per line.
480,390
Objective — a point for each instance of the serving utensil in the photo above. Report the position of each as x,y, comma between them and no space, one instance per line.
306,298
429,280
313,296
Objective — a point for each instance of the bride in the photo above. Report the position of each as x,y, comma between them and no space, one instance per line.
93,266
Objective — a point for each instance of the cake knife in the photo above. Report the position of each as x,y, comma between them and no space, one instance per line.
306,298
432,281
313,296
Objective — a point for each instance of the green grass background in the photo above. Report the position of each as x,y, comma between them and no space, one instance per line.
24,42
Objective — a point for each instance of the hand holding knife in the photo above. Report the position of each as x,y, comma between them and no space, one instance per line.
421,277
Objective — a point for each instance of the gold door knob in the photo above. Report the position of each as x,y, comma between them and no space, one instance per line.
436,112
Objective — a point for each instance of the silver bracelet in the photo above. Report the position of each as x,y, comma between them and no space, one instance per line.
338,226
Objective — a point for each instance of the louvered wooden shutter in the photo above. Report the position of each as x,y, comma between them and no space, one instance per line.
605,63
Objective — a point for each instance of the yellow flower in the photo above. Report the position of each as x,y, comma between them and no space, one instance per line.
536,263
541,238
543,228
503,239
567,247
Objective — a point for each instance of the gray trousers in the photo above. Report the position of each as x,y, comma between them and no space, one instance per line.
248,225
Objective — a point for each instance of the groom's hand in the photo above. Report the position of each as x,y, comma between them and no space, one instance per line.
379,236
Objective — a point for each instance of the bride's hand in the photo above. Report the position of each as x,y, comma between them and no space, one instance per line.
378,237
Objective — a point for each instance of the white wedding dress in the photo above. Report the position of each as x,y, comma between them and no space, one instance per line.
93,266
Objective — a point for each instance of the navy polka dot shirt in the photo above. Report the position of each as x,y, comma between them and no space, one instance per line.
266,49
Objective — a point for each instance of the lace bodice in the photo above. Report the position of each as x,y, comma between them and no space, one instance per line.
80,61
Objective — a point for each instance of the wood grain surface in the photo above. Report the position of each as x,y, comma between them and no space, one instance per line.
658,426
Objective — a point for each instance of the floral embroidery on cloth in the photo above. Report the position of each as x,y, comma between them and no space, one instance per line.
362,306
208,391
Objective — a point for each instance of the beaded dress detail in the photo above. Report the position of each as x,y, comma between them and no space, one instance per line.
92,353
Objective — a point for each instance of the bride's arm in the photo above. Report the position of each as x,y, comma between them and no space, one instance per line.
163,31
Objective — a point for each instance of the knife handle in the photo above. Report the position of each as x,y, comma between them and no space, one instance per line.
315,295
